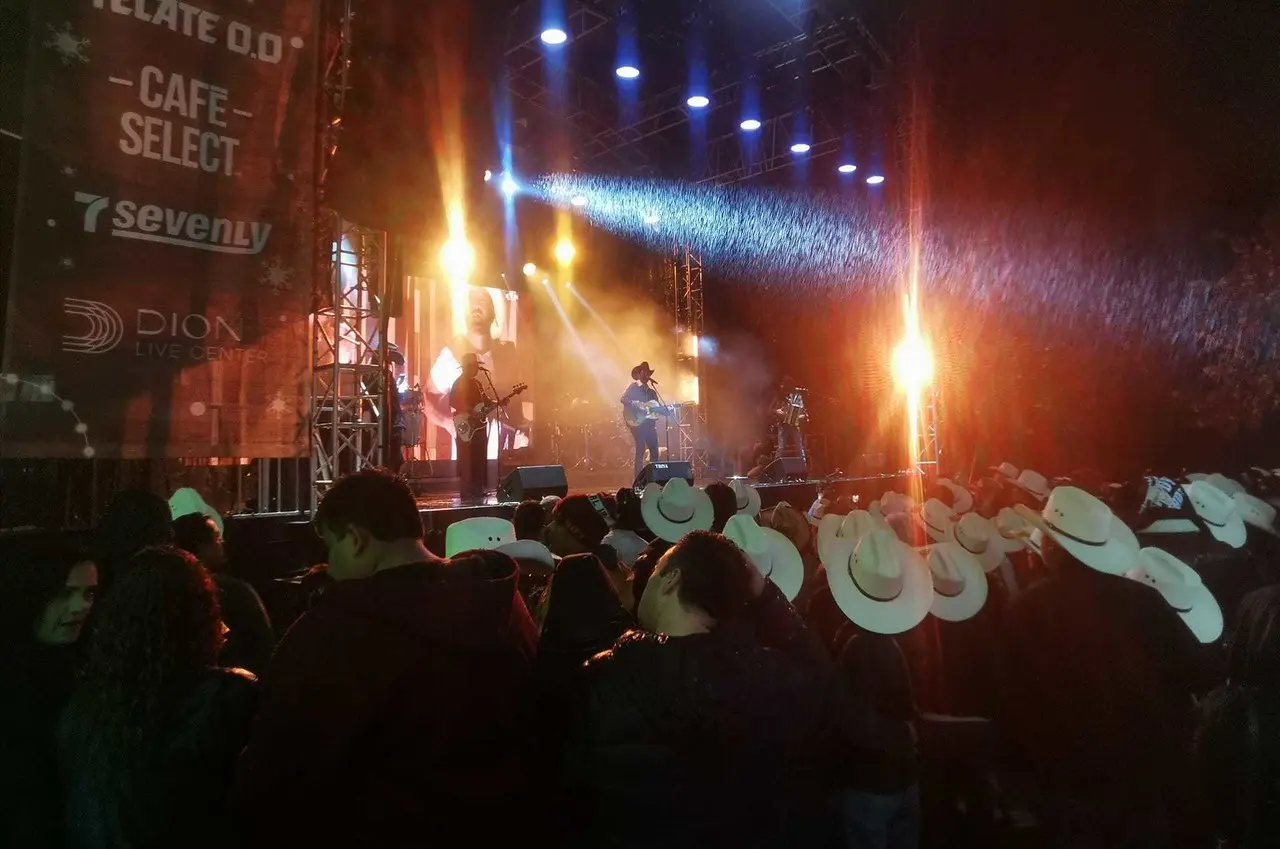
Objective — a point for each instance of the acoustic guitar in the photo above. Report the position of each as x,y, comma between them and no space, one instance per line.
467,425
636,413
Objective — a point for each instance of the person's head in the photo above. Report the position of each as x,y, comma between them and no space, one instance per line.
582,606
197,534
724,502
46,595
630,518
369,521
579,523
791,523
135,519
702,581
529,519
480,311
156,629
1255,646
642,570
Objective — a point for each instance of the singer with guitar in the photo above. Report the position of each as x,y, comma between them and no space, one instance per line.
638,405
466,394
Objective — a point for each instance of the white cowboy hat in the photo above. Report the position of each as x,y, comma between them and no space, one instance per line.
186,501
1182,590
855,526
770,552
875,509
1006,470
1224,483
1012,532
1197,476
530,549
974,534
879,583
959,583
673,510
935,518
896,502
1256,512
1218,511
748,497
1086,528
1034,483
961,498
478,532
550,500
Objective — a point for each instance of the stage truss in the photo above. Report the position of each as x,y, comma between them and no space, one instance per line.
348,361
926,455
685,302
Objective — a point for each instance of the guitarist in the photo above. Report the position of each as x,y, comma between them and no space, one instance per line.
467,391
645,434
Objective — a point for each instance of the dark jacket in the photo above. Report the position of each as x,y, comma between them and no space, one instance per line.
390,713
177,795
250,640
35,685
1098,686
1237,746
875,668
705,740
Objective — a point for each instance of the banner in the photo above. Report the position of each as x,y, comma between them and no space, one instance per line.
164,253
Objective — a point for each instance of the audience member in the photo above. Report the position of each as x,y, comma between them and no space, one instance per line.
135,519
725,503
250,639
529,519
149,740
628,535
397,697
1237,745
46,595
695,714
579,523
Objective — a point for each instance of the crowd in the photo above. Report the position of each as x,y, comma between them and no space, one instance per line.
1012,661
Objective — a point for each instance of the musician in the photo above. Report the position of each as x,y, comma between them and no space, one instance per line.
645,434
789,410
468,391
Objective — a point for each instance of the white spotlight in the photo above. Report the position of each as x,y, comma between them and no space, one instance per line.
750,125
509,185
578,200
652,218
488,175
530,269
800,147
554,36
847,168
628,72
875,180
698,101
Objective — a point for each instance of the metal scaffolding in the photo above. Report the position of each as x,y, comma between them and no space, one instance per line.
927,453
686,304
348,361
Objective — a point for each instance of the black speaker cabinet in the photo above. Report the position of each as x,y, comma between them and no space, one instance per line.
663,472
533,483
785,469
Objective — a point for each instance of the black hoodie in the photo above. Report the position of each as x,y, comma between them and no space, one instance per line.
390,713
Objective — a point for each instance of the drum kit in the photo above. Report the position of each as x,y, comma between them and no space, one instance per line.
591,436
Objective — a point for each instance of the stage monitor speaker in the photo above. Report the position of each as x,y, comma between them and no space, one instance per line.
663,472
532,483
785,469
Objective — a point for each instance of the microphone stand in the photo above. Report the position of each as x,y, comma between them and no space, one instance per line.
666,419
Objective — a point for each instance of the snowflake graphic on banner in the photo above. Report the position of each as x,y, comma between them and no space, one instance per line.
279,405
69,46
276,275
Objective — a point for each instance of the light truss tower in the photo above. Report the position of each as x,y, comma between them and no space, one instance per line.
349,362
927,453
687,306
350,317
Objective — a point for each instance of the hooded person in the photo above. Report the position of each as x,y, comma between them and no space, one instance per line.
405,676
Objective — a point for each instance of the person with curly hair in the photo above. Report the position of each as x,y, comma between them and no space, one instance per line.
46,595
149,740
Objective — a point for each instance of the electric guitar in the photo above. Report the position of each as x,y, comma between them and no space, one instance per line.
637,413
467,425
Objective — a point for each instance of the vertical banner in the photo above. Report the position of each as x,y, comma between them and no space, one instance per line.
163,259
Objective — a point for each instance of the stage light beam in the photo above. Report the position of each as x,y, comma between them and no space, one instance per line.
627,72
457,259
847,168
509,185
875,180
698,101
912,364
579,200
800,147
750,125
565,252
530,269
554,36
